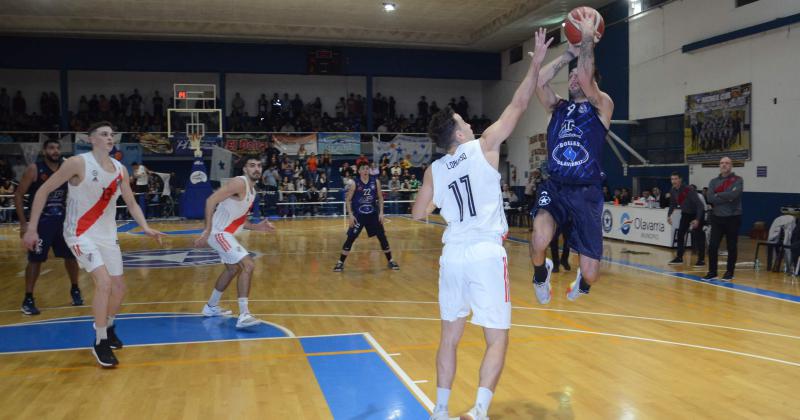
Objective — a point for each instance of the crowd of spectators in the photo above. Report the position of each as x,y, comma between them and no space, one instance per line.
132,112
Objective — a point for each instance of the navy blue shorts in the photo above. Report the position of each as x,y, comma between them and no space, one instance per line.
578,208
51,234
369,221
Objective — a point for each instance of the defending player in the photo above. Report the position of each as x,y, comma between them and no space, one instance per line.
95,181
226,214
473,268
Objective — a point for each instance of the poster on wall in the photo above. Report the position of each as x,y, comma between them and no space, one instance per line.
183,146
339,143
291,143
537,152
246,144
717,124
155,143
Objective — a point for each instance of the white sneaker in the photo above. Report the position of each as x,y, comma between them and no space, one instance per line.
544,291
247,321
475,413
440,415
215,311
574,290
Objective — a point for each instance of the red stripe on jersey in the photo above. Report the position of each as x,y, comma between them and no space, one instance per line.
238,222
77,250
90,217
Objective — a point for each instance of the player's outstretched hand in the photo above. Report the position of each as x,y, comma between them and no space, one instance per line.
30,239
155,234
202,241
586,25
540,46
264,226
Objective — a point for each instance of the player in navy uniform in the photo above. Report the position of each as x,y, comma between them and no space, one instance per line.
572,197
364,202
50,225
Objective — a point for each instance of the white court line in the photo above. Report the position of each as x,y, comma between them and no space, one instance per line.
401,373
421,381
632,337
436,303
394,354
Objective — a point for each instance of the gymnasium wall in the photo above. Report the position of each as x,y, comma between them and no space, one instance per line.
31,83
661,76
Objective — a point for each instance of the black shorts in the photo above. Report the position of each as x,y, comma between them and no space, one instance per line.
51,234
369,221
578,208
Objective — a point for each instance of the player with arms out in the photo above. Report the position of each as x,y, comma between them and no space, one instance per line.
51,224
473,268
95,181
364,202
226,214
572,197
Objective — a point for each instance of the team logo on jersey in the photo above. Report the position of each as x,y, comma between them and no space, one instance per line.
544,199
94,176
625,223
366,209
568,129
608,221
169,258
570,153
583,108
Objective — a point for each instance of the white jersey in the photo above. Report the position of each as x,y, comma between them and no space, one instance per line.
92,204
231,214
467,190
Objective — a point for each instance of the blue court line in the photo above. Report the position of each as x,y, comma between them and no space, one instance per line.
729,285
359,386
133,329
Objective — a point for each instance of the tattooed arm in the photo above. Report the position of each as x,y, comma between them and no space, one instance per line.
544,92
585,69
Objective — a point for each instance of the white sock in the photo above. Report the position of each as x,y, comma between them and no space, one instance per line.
243,306
100,334
111,321
216,295
442,398
484,399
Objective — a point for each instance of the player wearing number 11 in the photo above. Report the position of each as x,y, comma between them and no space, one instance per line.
473,268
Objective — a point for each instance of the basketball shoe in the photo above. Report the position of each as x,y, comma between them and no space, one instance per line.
247,321
215,311
544,290
475,413
574,290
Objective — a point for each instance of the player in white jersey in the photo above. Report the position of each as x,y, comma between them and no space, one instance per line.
95,182
226,214
473,268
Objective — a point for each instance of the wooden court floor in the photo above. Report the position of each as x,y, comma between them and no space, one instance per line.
644,344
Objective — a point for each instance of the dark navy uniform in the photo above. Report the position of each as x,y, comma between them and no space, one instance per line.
365,207
573,194
51,222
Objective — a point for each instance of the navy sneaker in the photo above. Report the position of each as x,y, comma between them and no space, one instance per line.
29,307
77,299
113,341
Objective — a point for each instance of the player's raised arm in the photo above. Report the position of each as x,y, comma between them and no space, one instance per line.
585,69
547,96
502,128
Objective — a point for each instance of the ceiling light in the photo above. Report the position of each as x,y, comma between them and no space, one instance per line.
389,7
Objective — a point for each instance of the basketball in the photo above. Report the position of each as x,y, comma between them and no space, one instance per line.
571,28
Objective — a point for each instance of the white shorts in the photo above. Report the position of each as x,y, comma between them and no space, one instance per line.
92,253
228,248
475,276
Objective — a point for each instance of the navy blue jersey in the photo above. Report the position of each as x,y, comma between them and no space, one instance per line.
56,203
365,197
575,140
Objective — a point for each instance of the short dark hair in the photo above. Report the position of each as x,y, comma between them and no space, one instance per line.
676,174
441,127
49,141
362,164
249,158
95,126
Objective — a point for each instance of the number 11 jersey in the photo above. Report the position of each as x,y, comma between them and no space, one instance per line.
467,190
